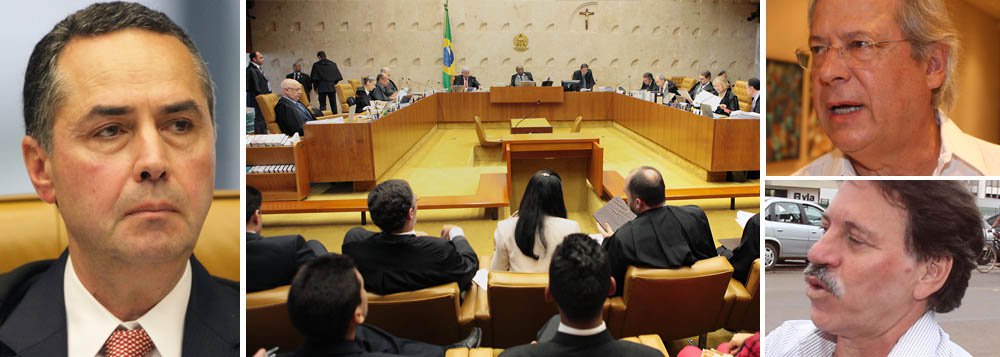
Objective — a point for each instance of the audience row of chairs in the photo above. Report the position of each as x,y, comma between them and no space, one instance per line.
671,303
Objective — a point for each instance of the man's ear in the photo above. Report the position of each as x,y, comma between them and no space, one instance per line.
548,295
933,274
611,290
937,65
39,167
359,315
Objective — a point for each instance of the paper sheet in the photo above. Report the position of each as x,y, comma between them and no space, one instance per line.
615,213
742,217
482,278
739,114
706,97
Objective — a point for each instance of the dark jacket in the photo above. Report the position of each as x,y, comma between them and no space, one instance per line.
292,116
460,80
368,341
563,344
325,75
652,87
698,87
33,313
667,237
381,93
748,251
395,263
256,84
361,100
731,102
273,262
304,79
513,77
587,82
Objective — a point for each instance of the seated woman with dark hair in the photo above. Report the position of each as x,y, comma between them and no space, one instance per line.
362,97
526,240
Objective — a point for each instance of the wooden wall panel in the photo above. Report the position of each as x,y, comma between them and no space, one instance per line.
339,152
396,133
461,107
735,148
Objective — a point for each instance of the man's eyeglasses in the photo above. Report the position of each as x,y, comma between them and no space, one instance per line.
859,53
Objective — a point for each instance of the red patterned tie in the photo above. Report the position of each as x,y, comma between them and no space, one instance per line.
128,343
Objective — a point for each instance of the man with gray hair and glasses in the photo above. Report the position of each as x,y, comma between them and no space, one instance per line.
893,254
883,76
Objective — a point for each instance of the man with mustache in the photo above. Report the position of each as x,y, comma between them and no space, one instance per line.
120,136
884,75
894,254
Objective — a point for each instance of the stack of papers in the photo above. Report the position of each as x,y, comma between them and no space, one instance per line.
269,140
271,169
739,114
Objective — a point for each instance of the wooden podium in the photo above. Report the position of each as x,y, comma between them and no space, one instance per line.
526,95
576,158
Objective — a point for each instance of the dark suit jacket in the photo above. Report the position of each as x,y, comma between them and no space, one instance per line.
698,88
273,262
368,341
731,102
749,250
584,82
459,80
514,76
755,106
381,93
392,263
33,313
292,116
325,75
361,100
304,79
256,84
652,87
666,237
562,344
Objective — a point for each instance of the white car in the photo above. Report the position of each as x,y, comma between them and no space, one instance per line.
791,227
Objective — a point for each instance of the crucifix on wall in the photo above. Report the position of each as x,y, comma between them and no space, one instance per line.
586,18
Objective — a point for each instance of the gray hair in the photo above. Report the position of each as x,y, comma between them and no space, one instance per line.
926,23
43,84
661,76
385,70
465,69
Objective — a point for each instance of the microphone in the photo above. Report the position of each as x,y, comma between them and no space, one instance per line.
621,81
537,104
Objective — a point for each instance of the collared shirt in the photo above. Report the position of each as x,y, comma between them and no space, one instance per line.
802,338
455,232
753,102
578,332
89,324
961,155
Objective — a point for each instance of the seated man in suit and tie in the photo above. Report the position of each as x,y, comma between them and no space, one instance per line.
729,101
661,236
290,114
132,167
753,87
381,90
648,83
585,76
466,80
303,78
389,87
520,76
399,258
272,262
666,86
579,283
704,84
363,96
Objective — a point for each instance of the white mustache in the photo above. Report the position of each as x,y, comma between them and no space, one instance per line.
822,272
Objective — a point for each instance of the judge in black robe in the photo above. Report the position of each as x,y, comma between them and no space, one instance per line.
585,76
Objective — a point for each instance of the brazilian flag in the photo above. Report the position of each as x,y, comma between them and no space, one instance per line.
448,63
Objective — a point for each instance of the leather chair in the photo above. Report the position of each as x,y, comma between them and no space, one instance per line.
484,140
577,125
35,231
673,303
268,324
686,84
344,91
266,102
745,315
513,308
433,315
653,341
355,84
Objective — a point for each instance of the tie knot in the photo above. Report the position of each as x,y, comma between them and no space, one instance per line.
128,343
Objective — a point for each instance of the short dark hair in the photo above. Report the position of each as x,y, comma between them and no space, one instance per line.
323,297
390,203
379,76
942,220
542,197
43,93
321,54
646,183
366,80
579,277
754,82
707,74
647,75
252,55
254,199
582,66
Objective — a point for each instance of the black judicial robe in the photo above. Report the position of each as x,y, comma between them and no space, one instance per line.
585,81
292,116
361,100
368,341
325,76
304,79
652,87
748,251
666,237
394,263
460,80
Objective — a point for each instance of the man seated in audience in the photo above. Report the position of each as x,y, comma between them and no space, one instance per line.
579,283
290,114
401,259
743,256
704,84
466,80
753,87
585,76
363,96
328,304
661,236
382,89
520,76
390,87
272,262
648,84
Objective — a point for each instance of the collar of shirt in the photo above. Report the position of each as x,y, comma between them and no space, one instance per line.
89,324
578,332
923,338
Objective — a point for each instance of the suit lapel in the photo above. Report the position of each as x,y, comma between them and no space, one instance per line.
212,322
38,326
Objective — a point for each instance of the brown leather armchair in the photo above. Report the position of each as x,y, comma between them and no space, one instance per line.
513,308
433,315
344,91
673,303
653,341
268,324
745,313
355,84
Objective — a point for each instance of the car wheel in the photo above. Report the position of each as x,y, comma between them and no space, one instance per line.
770,255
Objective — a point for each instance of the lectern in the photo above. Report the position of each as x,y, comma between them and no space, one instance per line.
577,159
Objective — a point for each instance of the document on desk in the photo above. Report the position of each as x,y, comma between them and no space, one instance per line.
338,120
705,97
615,213
739,114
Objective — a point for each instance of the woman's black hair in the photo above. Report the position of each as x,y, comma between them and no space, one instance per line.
543,197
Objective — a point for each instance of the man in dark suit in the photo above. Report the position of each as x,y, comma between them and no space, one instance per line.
743,256
256,85
290,114
363,96
381,90
466,80
325,76
133,210
648,83
753,87
585,76
303,78
272,262
666,86
520,76
704,84
579,282
660,236
400,258
390,87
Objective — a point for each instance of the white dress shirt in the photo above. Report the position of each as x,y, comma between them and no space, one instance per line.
89,324
961,155
802,338
578,332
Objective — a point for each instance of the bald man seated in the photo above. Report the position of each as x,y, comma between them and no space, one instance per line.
290,114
